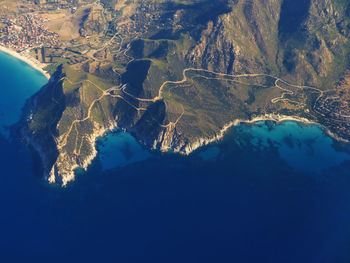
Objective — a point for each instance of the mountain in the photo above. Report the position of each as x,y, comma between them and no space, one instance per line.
176,74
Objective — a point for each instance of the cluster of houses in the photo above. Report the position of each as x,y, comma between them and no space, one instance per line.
25,32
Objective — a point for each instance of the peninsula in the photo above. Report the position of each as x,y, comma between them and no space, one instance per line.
176,74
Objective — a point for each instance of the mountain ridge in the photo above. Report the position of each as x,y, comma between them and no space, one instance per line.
179,80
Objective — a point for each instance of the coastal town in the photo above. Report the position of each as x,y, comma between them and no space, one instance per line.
23,27
55,31
25,32
23,23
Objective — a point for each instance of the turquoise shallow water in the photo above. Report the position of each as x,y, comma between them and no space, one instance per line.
18,81
119,149
265,193
306,148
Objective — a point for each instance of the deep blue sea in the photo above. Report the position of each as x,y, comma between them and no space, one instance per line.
265,193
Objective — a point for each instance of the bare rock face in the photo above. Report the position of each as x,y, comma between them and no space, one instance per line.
214,50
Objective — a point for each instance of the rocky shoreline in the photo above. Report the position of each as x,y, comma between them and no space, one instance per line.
188,149
183,148
70,175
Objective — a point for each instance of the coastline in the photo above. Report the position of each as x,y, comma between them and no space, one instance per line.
69,175
191,147
26,59
184,148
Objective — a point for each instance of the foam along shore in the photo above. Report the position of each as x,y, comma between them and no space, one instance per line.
25,57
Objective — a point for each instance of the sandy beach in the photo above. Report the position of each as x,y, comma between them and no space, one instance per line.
25,57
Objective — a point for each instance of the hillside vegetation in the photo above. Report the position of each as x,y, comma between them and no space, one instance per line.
175,73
